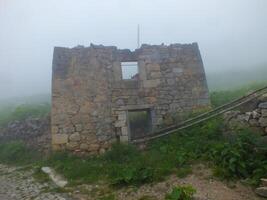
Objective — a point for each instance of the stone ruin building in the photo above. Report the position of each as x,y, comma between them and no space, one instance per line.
93,98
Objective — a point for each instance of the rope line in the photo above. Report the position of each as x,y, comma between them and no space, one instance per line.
204,116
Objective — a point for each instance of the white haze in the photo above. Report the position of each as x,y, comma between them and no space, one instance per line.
232,34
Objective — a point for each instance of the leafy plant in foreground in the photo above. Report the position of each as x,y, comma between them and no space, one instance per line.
181,193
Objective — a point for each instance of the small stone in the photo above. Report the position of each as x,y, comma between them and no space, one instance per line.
75,137
78,127
263,105
261,191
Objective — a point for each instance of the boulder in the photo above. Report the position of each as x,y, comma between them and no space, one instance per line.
261,191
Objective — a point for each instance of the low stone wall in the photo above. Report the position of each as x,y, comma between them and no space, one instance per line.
256,118
33,132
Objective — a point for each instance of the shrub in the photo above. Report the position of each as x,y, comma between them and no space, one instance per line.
239,158
181,193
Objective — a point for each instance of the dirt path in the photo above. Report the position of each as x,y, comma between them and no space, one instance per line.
207,189
17,184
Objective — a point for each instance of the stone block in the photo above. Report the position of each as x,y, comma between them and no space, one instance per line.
122,116
255,114
54,129
263,121
261,191
177,70
151,83
124,130
68,129
59,138
84,146
153,67
72,146
56,147
94,147
75,137
264,112
120,123
263,105
151,100
264,182
155,74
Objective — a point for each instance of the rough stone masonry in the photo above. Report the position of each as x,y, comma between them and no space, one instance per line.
91,100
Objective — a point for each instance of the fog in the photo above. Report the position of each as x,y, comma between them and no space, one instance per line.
232,35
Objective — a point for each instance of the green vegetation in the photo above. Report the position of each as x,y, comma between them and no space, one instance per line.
21,112
237,157
181,193
219,98
244,157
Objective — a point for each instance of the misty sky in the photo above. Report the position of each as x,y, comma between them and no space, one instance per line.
232,34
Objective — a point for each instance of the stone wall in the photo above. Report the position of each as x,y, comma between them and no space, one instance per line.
91,101
35,133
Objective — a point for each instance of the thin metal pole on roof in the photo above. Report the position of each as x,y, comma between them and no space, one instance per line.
138,36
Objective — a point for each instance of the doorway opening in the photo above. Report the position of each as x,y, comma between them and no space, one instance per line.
140,123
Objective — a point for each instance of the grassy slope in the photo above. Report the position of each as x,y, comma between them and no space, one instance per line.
221,97
12,113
